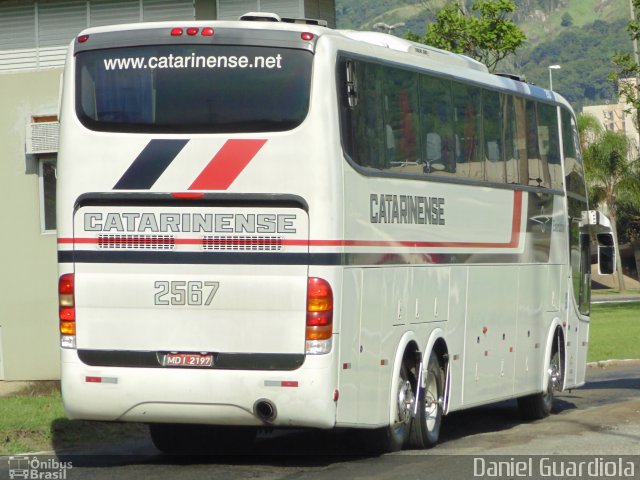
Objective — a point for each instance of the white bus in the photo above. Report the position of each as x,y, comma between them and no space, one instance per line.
269,224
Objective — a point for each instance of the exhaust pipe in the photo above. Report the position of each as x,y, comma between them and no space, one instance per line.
265,410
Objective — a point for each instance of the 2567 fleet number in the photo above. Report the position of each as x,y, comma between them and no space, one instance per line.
179,293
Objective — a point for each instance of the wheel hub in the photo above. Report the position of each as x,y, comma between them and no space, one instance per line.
554,375
406,399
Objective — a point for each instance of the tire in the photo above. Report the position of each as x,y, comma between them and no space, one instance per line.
539,405
395,436
425,426
179,439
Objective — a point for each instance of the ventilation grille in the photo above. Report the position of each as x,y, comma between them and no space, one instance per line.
137,242
238,243
42,137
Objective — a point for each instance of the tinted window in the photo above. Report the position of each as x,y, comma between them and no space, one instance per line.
398,121
550,143
193,88
366,120
573,168
493,120
435,118
401,119
467,118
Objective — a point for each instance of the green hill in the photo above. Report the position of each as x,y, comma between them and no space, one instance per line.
580,35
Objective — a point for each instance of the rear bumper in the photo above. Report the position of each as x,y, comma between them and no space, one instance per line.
302,397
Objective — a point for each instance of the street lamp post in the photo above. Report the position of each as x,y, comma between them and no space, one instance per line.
385,27
552,67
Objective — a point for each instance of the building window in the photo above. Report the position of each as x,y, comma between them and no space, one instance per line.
47,178
35,34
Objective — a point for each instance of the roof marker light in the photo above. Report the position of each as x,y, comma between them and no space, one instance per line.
192,31
176,32
83,38
307,36
207,32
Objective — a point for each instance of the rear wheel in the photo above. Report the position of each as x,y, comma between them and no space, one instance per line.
200,439
393,437
538,405
425,426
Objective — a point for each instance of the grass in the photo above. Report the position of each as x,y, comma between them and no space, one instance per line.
614,332
33,419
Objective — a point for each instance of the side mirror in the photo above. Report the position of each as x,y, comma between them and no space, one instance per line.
606,254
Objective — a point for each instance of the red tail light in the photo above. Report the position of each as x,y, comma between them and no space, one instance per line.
192,31
207,32
66,300
176,32
306,36
319,309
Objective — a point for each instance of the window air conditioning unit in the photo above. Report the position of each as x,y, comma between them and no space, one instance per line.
42,137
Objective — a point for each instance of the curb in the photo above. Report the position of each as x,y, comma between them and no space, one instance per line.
613,363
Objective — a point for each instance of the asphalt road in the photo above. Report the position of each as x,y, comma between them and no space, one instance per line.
600,419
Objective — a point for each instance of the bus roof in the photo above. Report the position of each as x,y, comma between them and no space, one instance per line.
419,55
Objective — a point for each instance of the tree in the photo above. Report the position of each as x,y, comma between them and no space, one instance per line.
612,180
589,129
567,20
485,34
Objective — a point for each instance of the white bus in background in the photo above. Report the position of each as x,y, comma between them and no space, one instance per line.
275,224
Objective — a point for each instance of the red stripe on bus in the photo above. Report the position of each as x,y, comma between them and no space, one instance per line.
517,219
227,164
513,242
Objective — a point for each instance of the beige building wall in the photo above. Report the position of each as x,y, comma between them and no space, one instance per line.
613,117
28,284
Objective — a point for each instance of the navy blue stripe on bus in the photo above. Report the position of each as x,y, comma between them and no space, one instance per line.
272,258
150,164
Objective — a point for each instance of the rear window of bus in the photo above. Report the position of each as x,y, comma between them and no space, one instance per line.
193,88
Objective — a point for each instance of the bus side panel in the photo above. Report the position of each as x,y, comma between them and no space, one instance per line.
455,332
582,342
531,327
412,299
378,315
490,333
349,345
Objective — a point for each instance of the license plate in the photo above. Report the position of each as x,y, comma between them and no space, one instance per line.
188,360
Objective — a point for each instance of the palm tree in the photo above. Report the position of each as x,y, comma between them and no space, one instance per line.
589,129
611,179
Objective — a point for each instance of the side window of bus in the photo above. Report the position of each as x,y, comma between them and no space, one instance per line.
579,254
537,166
347,101
367,117
573,169
549,142
467,118
401,120
510,138
577,202
521,164
493,151
438,145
